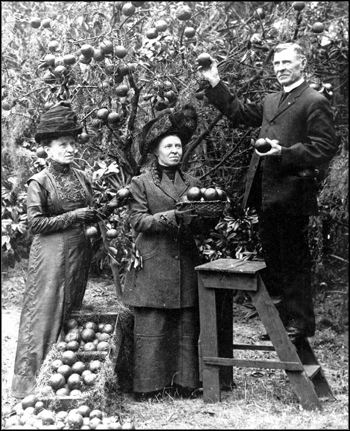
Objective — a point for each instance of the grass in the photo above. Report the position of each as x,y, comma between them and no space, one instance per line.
262,399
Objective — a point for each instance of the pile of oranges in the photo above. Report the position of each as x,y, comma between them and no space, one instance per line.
205,194
71,373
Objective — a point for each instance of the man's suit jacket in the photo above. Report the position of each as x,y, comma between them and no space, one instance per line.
303,124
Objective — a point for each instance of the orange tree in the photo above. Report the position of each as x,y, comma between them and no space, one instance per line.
124,64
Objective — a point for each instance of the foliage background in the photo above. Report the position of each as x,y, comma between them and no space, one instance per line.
161,74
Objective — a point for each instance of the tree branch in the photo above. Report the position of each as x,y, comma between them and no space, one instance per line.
199,139
226,157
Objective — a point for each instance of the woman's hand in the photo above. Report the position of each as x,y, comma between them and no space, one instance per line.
186,215
85,215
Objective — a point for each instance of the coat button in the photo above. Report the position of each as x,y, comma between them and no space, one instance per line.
176,257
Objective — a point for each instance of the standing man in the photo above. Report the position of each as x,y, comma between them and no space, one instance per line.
298,124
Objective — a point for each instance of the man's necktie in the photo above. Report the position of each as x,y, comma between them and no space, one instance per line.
283,97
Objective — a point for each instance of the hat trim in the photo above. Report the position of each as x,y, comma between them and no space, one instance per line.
58,133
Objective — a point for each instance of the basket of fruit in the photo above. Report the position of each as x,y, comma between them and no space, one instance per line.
206,202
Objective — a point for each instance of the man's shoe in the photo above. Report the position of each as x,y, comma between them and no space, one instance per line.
295,334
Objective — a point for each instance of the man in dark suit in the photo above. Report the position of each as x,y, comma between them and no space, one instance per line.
298,124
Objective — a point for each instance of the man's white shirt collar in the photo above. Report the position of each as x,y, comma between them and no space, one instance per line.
289,88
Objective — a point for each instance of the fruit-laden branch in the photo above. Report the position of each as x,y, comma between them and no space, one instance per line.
199,139
227,156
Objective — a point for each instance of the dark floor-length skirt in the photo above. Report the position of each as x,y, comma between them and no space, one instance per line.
165,348
56,282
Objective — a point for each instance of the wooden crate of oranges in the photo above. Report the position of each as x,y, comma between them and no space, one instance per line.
80,368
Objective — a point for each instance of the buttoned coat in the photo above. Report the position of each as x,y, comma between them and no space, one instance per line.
169,254
303,124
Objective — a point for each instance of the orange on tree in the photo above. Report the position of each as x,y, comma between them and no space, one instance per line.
260,13
138,3
106,47
102,114
35,22
69,59
113,117
91,231
189,32
53,45
317,27
298,5
122,90
87,50
204,60
111,233
46,23
161,25
123,70
98,55
60,70
128,9
120,51
183,13
152,33
49,59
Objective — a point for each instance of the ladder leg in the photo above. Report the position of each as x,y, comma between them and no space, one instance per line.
208,342
307,357
285,349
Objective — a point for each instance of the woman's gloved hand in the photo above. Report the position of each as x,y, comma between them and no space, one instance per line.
85,215
185,215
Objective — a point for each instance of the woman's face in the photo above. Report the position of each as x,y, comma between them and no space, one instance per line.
61,149
169,151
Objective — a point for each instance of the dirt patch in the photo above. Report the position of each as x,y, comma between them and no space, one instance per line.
262,399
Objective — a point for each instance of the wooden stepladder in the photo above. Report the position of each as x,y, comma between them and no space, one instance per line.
299,361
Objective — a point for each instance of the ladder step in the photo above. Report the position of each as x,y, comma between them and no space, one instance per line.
311,370
253,347
277,365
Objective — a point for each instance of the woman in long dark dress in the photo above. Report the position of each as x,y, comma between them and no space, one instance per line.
59,200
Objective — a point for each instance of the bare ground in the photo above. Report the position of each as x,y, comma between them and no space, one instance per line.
262,399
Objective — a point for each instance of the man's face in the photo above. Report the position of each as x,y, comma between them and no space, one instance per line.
288,67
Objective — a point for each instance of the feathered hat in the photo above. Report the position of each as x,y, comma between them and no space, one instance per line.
181,121
58,121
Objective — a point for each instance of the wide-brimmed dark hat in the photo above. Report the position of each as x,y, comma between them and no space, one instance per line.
181,121
58,121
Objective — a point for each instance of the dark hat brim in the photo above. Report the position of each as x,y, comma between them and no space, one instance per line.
56,134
